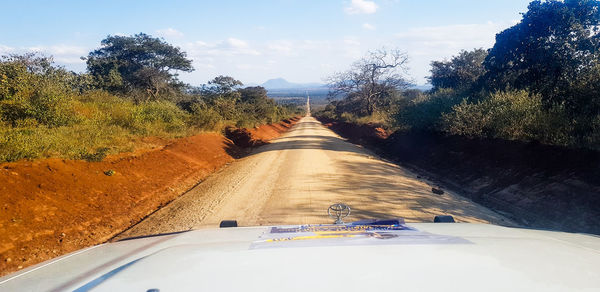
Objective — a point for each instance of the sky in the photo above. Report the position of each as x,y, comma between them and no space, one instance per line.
299,40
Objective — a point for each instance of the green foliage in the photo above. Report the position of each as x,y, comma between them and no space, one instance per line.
76,141
554,45
424,113
329,112
242,107
98,155
159,116
461,72
138,64
32,89
222,86
204,117
47,111
511,115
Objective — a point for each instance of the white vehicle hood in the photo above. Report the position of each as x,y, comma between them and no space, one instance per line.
434,257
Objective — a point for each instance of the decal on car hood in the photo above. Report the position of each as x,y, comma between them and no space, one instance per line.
348,234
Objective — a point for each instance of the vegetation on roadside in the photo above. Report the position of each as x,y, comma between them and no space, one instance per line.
540,82
130,91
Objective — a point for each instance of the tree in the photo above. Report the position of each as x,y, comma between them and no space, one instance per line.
555,44
254,94
221,93
33,88
371,80
128,63
460,73
224,85
221,87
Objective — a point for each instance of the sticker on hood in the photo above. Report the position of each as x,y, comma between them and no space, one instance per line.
348,234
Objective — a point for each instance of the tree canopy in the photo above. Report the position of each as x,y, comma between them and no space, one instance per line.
555,44
460,72
140,62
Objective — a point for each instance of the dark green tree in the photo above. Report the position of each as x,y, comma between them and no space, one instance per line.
460,73
221,93
224,85
221,87
138,63
253,94
555,44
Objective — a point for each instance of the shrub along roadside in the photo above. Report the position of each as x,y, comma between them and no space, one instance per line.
512,115
515,115
46,111
109,126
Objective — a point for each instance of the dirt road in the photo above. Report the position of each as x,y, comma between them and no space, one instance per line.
295,178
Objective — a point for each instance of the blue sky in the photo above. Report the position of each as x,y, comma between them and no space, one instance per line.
299,40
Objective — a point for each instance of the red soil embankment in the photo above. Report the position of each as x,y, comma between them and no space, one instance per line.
539,186
259,135
53,206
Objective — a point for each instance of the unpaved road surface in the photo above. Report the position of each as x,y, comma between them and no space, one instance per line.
295,178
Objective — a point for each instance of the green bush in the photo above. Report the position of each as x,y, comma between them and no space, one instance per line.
425,112
511,115
159,116
18,144
30,88
52,106
205,118
75,142
46,111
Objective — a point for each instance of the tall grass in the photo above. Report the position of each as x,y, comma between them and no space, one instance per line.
44,113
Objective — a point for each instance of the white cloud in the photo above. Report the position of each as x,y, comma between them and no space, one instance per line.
199,65
351,41
453,36
244,66
283,47
6,50
62,54
63,50
236,43
351,48
228,47
249,61
431,43
169,33
361,7
368,26
311,60
254,62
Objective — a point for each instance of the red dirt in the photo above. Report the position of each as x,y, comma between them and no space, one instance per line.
53,206
267,132
369,133
259,135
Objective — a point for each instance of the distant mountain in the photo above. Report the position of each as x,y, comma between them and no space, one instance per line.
280,83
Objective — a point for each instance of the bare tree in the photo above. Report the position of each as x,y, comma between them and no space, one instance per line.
372,79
